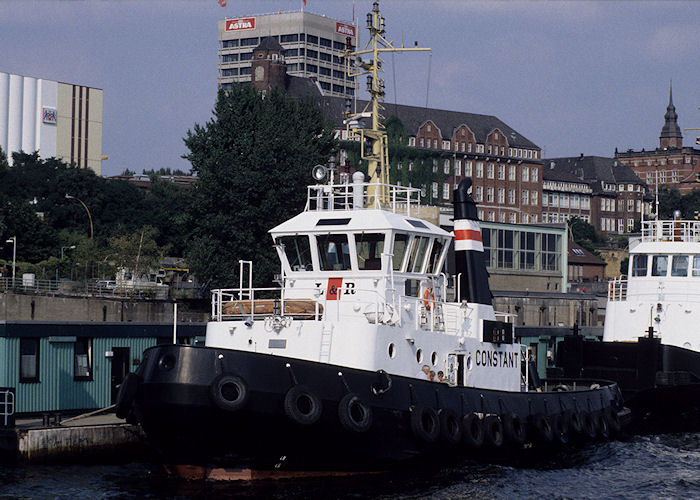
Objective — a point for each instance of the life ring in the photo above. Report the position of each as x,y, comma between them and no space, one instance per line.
574,419
428,298
425,423
354,414
302,406
560,428
126,394
450,427
472,431
493,430
543,428
613,420
589,427
513,428
229,392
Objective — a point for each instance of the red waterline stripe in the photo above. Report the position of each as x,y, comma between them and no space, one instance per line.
467,234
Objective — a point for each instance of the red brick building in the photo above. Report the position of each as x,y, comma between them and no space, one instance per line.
670,164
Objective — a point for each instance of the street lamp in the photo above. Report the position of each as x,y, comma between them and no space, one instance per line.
69,197
63,248
13,240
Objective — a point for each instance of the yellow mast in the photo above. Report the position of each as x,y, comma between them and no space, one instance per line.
378,155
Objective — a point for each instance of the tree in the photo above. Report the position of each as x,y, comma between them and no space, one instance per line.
253,161
584,234
137,252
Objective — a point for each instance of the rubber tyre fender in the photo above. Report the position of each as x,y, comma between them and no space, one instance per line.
472,431
354,414
589,426
450,427
574,418
543,428
229,392
613,420
513,428
425,424
493,431
302,406
126,394
603,429
560,428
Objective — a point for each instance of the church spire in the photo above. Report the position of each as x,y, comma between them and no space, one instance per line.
671,136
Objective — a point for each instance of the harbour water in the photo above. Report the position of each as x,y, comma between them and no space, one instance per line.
664,466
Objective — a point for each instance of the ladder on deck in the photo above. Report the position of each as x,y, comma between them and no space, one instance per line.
326,339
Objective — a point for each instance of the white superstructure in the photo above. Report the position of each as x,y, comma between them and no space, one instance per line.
362,287
662,289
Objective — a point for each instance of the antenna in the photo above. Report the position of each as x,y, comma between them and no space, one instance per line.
376,153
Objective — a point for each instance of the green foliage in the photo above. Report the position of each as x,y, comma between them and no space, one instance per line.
164,171
253,161
137,252
585,235
624,265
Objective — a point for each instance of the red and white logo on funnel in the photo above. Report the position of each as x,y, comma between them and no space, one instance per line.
468,235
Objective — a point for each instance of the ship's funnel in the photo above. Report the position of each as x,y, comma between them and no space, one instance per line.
469,249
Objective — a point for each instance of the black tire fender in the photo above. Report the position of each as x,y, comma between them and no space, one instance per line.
354,414
229,392
560,428
613,419
513,428
425,424
126,394
543,428
450,427
574,418
302,406
602,421
472,431
493,430
589,426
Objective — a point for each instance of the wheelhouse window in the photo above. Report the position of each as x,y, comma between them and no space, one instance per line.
435,253
400,244
679,265
696,265
369,251
82,366
297,251
28,359
639,265
659,265
418,251
333,252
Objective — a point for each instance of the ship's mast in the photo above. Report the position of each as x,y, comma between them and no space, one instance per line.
376,152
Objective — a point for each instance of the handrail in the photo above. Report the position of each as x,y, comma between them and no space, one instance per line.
8,405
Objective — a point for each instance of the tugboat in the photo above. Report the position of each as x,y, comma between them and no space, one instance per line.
331,369
658,373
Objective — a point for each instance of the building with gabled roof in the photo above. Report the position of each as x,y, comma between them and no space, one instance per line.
619,196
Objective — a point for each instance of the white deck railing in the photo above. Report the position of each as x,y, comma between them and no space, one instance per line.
671,230
397,199
617,289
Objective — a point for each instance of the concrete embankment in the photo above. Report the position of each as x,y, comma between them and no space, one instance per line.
102,438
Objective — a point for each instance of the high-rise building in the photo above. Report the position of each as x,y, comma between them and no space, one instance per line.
312,46
56,119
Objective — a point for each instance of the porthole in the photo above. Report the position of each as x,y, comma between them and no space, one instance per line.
433,358
469,363
419,355
392,351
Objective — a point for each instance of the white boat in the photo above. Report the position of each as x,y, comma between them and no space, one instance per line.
331,368
651,337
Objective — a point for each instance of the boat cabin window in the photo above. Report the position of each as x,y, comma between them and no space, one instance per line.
679,265
369,250
400,244
435,254
298,252
659,265
696,265
639,265
418,251
333,252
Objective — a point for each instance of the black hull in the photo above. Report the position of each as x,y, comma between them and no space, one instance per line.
660,383
174,400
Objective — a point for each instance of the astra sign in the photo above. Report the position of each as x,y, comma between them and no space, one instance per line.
244,23
345,29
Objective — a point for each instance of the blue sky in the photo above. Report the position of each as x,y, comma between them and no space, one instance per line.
573,77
